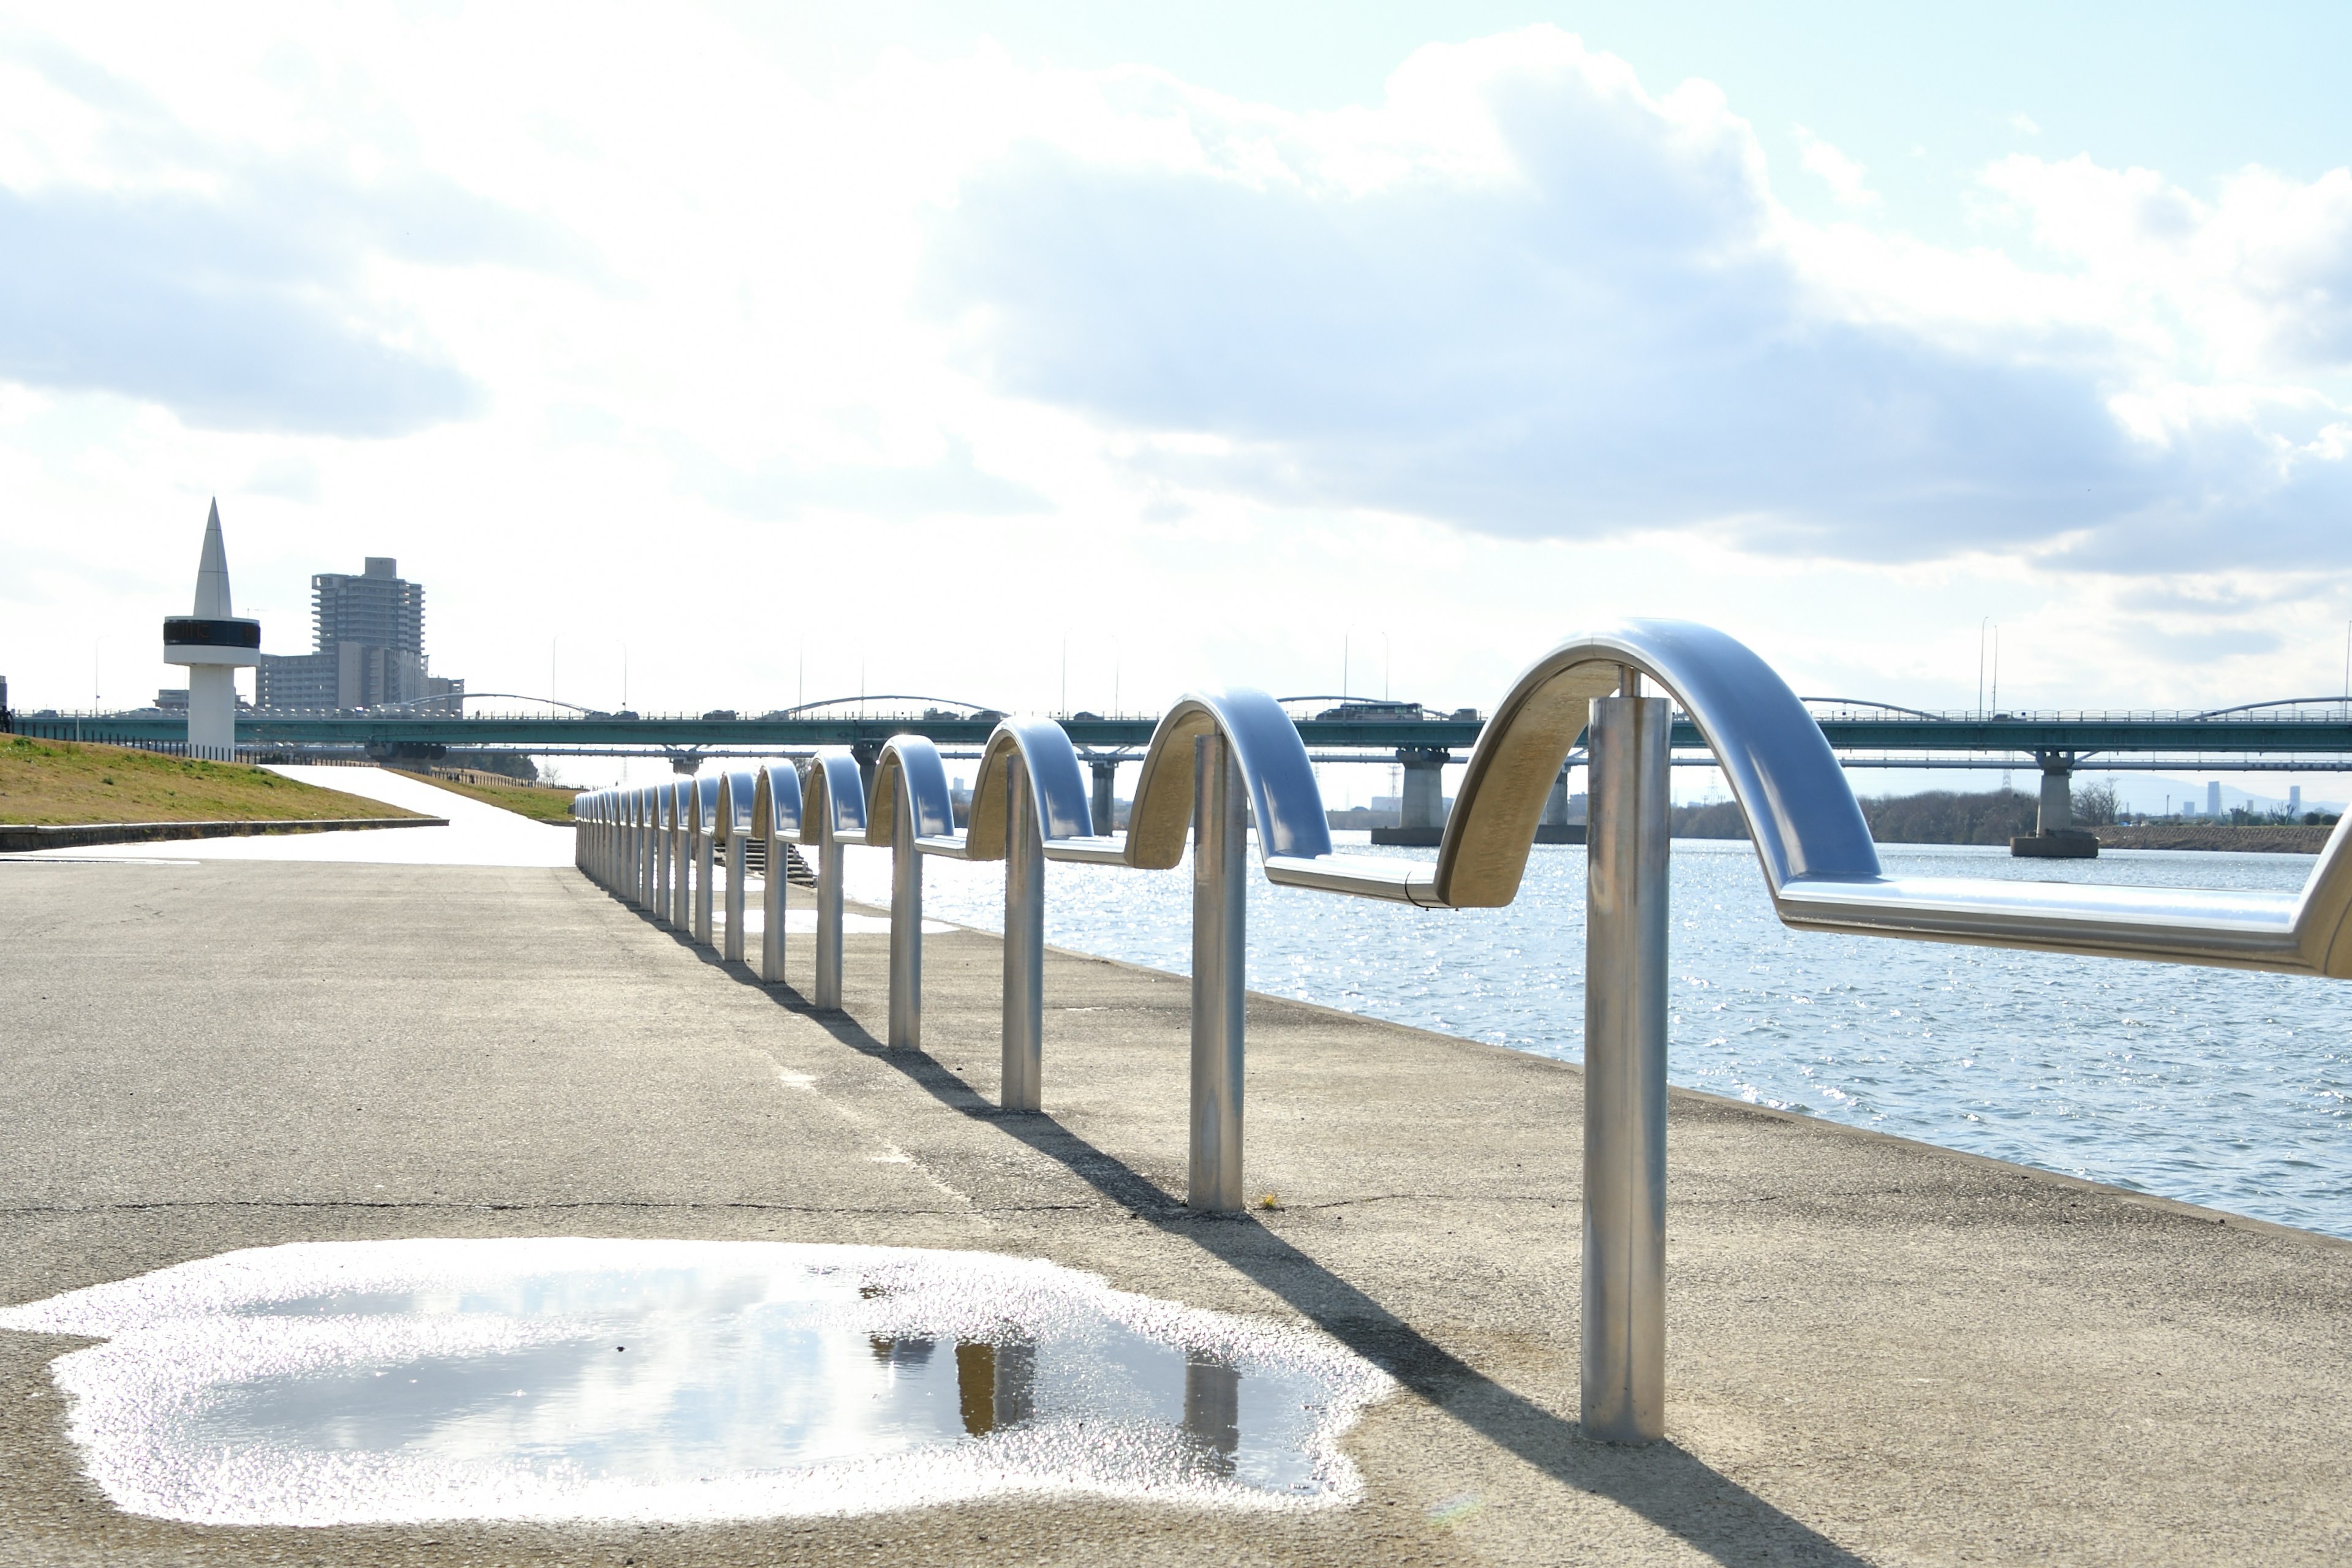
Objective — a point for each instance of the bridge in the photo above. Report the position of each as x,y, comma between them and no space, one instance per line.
2312,734
2282,735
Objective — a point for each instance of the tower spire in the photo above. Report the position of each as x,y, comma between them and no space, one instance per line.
212,572
215,645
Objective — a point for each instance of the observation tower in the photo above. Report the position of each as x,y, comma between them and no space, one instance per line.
214,644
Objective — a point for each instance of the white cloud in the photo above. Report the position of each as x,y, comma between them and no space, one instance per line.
1525,296
619,334
1846,179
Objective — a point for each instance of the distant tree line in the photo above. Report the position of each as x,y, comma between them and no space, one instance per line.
1943,817
1939,817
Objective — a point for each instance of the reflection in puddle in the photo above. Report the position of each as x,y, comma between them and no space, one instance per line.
336,1382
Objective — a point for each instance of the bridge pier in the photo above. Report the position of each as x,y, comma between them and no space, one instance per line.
867,753
2054,835
1420,817
1555,826
1105,773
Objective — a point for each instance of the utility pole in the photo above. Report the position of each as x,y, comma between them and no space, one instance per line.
1981,624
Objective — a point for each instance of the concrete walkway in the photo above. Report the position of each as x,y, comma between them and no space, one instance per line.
1880,1353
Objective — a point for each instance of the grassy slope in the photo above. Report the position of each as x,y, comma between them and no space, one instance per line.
2286,839
67,780
541,802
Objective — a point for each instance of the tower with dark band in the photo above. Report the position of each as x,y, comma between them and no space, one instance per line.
214,644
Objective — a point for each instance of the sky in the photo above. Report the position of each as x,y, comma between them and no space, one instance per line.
1040,354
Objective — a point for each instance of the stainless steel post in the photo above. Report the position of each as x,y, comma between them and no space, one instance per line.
1625,1071
1025,944
644,870
828,988
702,889
1219,976
663,876
906,923
774,901
734,891
681,888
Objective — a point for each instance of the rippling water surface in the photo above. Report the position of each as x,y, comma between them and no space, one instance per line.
2217,1086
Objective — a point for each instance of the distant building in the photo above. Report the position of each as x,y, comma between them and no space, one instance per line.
2214,798
369,651
2295,800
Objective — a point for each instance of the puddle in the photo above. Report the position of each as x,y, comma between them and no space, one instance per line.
570,1379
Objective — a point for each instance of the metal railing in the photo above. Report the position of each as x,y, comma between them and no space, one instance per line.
1219,760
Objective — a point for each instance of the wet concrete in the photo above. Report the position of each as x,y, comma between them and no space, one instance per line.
1879,1351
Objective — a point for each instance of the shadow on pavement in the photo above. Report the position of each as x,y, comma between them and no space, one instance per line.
1662,1483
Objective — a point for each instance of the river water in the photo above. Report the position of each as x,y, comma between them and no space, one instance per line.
2220,1087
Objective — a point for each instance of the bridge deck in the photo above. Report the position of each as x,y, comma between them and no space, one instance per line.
1880,1353
2103,734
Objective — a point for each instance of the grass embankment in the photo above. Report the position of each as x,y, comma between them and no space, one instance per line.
52,781
541,802
2259,838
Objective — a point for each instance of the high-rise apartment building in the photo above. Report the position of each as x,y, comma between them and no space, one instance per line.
369,650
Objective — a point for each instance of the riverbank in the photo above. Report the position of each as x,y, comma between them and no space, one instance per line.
1878,1352
2289,838
72,783
550,804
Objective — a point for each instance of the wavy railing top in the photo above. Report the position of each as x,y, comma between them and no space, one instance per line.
1820,865
701,798
776,803
1058,791
1801,811
833,803
738,792
909,774
1284,799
